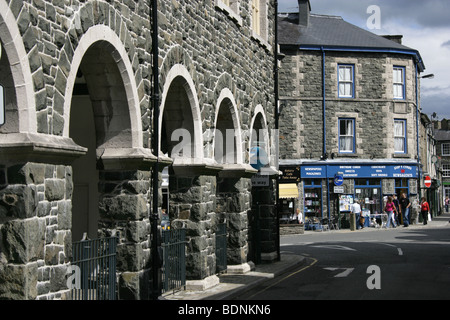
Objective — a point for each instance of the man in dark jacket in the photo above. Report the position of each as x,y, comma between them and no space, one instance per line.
405,207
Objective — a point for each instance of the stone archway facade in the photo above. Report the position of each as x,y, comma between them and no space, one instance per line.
206,57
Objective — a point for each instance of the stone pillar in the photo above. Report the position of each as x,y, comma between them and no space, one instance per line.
124,213
35,230
233,204
192,205
263,234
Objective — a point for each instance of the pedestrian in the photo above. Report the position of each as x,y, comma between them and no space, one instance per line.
398,216
405,207
390,209
424,210
447,203
356,209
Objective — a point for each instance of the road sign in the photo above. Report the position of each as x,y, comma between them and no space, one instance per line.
339,179
427,181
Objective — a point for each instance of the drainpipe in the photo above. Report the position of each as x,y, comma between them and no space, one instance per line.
324,105
155,292
417,129
277,192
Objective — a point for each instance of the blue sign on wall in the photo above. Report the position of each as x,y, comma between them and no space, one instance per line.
359,171
338,179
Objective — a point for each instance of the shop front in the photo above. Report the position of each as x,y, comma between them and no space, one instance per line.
329,188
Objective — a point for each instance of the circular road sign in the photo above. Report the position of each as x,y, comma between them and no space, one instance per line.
427,181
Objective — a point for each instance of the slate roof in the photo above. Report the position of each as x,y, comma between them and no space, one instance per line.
442,135
334,32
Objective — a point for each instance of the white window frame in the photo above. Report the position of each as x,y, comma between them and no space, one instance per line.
399,87
446,170
346,80
445,149
347,135
400,136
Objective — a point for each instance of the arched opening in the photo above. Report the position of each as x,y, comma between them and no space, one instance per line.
99,120
225,136
9,117
177,132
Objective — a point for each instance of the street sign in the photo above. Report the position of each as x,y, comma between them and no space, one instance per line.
427,181
339,179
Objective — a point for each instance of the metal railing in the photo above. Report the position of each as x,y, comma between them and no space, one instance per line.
174,259
95,265
221,247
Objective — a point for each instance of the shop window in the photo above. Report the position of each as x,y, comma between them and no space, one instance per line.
446,149
313,199
346,135
399,83
400,136
346,82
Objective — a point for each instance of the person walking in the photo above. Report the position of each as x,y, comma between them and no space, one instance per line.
398,216
447,203
390,209
424,210
405,207
356,209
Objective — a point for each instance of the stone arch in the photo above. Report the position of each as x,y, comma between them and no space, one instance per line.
103,39
227,117
259,131
179,90
20,113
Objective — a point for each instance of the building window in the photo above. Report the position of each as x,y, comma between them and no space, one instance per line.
346,135
259,22
446,149
256,18
346,81
446,170
399,82
400,136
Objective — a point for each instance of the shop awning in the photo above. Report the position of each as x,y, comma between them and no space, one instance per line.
288,190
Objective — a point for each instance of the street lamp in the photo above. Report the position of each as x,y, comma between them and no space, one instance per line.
427,76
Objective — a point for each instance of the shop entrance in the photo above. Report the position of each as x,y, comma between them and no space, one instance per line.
368,193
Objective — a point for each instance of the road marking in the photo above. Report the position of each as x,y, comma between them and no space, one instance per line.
344,274
288,276
335,247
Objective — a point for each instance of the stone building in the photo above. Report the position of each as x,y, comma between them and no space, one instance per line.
442,136
75,148
349,115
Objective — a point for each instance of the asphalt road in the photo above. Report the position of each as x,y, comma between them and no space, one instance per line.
395,264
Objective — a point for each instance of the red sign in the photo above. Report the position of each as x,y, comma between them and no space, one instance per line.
427,181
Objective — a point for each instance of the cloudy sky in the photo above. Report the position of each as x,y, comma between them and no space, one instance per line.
425,26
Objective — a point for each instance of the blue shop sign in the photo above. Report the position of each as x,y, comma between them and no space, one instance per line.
354,171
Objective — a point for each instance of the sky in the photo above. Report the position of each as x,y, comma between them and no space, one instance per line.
425,26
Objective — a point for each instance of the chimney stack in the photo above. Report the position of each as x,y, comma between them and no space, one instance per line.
304,9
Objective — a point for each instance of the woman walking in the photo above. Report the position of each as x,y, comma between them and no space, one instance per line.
390,208
424,210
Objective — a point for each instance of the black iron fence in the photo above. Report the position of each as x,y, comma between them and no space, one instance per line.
174,259
221,247
94,266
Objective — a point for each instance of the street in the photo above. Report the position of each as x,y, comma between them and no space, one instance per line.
403,263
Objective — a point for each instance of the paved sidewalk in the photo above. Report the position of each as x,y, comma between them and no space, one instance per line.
232,285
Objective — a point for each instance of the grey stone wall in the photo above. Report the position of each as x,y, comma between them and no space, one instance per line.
35,237
218,50
373,106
